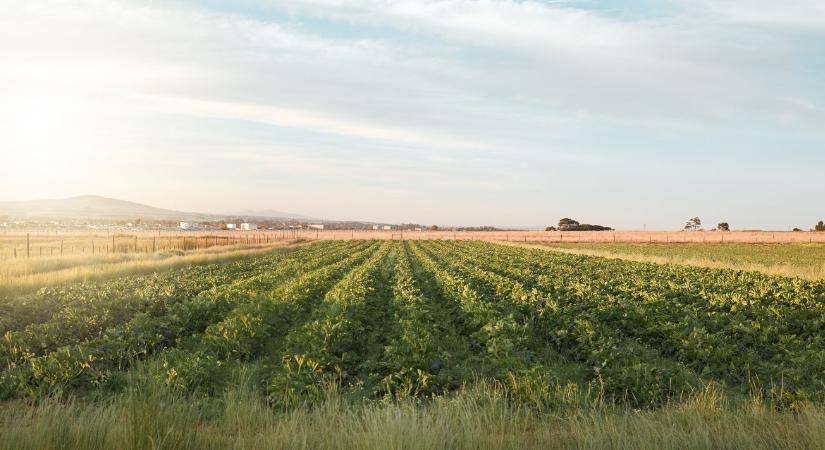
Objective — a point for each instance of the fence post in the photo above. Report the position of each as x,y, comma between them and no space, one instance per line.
113,244
28,246
154,246
61,247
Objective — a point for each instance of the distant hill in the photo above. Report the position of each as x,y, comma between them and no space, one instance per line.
92,207
97,207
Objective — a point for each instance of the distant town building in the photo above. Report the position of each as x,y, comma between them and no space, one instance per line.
316,226
375,227
188,226
231,226
386,228
249,226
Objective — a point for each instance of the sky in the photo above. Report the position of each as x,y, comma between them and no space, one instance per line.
629,113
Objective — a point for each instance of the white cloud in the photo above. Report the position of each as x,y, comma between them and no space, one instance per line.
287,117
804,15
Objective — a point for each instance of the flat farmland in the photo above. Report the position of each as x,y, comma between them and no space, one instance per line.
17,244
662,237
45,243
794,260
378,343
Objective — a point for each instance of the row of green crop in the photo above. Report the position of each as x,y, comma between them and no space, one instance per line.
752,331
341,339
66,361
608,363
255,331
83,314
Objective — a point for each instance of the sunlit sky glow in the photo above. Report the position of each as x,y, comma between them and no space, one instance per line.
451,112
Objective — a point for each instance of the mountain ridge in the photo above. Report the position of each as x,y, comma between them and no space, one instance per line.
100,207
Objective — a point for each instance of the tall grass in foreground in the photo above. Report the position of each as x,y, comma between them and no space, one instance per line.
148,415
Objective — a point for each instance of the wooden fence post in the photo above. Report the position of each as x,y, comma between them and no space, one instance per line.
28,246
61,247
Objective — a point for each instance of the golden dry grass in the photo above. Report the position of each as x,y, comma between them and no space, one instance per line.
815,270
747,237
23,274
21,244
478,417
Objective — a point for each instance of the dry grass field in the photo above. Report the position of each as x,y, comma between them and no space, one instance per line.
801,260
746,237
20,275
53,243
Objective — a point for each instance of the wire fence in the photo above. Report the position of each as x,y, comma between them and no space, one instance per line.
38,244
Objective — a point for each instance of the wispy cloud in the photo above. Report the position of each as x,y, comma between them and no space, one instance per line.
308,120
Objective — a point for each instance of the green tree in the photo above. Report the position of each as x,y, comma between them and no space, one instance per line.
820,226
723,226
568,223
694,224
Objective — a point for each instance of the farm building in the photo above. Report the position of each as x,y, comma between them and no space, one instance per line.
316,226
375,227
188,226
231,226
386,228
249,226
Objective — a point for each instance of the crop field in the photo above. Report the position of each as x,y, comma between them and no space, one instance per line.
408,344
